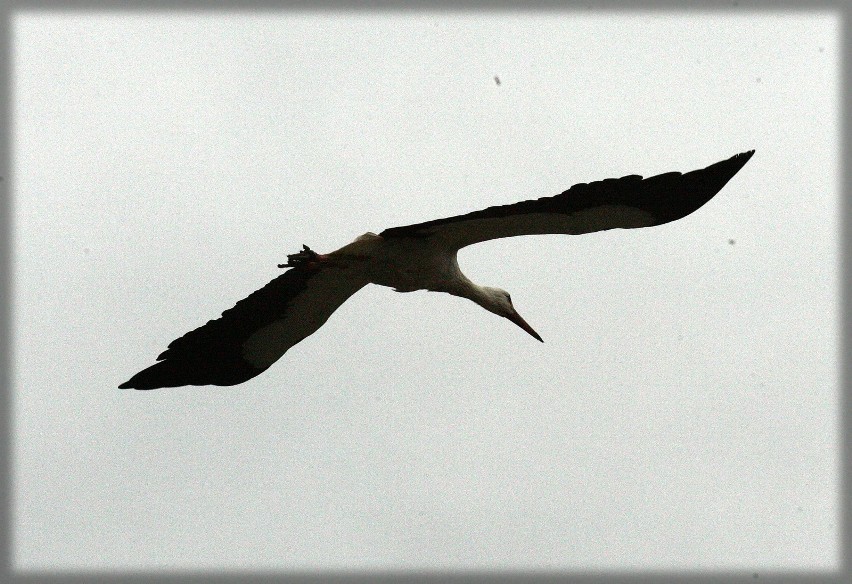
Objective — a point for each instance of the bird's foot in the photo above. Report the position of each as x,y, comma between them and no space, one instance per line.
302,258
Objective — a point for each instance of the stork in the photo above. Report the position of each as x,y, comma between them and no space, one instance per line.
248,338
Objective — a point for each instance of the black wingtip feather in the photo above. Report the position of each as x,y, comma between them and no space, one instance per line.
672,196
177,373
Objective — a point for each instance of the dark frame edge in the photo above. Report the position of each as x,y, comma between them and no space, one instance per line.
7,572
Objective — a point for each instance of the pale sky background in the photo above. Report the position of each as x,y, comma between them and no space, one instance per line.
681,414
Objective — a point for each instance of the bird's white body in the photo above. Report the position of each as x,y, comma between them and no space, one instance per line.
406,265
259,329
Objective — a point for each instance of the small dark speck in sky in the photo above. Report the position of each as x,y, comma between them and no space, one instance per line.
86,250
731,241
496,80
758,79
821,49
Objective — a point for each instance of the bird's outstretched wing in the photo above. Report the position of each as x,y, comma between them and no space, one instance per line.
257,331
613,203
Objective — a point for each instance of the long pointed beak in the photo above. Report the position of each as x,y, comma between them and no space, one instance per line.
516,318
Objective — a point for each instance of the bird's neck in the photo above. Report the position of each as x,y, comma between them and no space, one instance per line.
482,295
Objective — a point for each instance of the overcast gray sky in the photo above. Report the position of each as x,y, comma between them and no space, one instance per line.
682,412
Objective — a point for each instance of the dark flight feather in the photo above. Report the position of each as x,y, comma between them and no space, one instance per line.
212,353
665,197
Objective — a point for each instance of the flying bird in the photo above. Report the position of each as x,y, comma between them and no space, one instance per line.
248,338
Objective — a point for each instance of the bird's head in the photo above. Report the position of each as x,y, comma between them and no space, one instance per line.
500,303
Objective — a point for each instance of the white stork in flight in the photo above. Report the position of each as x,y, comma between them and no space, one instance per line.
248,338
